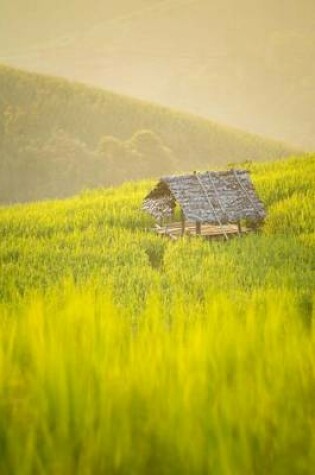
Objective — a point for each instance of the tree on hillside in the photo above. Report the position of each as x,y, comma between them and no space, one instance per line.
110,147
156,158
141,156
111,165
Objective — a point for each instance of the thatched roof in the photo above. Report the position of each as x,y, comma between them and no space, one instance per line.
209,197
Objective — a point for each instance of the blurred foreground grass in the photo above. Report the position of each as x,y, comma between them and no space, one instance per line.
222,387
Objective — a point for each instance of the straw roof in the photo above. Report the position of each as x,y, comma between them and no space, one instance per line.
209,197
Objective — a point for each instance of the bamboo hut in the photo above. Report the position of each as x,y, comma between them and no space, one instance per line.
211,204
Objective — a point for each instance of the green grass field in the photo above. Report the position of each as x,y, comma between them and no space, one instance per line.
123,353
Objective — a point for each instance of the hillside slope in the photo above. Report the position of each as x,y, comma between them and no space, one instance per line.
51,240
58,137
244,63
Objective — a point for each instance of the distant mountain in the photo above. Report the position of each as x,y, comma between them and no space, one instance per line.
57,138
247,63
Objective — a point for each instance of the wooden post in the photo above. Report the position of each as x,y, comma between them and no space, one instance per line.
198,227
182,218
239,227
173,213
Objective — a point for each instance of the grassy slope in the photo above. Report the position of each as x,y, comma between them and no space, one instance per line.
142,355
50,132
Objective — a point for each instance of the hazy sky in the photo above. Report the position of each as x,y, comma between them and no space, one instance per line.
248,63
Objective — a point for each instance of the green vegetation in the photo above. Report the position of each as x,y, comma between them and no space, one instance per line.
124,353
57,138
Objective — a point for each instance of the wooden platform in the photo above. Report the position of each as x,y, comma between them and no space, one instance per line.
208,231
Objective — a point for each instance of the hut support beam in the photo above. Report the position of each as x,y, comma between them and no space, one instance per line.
183,223
239,227
198,227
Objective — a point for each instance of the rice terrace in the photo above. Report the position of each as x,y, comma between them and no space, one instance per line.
157,267
125,353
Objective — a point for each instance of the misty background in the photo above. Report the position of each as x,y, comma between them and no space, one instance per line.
247,63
